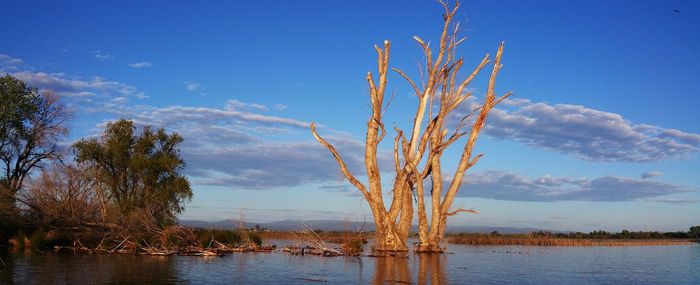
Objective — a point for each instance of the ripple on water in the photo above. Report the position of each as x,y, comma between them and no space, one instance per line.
468,264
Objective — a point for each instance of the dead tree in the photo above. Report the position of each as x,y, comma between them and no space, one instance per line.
418,156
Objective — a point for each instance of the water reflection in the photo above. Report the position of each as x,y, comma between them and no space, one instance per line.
431,269
635,265
392,270
397,270
7,266
51,268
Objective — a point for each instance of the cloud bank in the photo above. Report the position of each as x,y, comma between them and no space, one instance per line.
234,147
585,133
500,185
243,145
65,86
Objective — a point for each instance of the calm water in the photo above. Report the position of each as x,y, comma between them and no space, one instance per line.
467,264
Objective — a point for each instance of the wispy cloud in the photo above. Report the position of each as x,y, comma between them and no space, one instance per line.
63,85
651,174
345,189
233,147
510,186
101,55
94,90
6,60
234,104
674,201
586,133
192,86
141,64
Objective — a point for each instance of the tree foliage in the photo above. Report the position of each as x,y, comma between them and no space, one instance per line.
694,231
138,171
63,197
32,123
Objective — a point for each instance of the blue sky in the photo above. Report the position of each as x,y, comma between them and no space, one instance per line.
602,132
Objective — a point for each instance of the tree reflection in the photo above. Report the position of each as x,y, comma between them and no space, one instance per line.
431,269
6,267
392,270
396,270
50,268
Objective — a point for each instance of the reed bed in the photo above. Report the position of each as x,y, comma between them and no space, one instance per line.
533,240
330,237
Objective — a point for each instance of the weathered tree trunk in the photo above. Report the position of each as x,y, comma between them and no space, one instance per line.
390,235
425,145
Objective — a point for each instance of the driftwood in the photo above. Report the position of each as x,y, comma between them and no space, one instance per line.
310,250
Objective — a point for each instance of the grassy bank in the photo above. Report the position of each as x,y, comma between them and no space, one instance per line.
330,237
533,239
165,241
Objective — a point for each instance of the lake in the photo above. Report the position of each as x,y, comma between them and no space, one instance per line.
466,264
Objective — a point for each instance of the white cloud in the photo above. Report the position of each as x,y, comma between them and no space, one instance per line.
141,64
510,186
62,85
585,133
233,147
101,55
6,60
234,104
192,86
79,91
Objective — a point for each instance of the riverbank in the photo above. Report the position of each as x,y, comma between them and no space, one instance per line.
330,236
499,239
351,242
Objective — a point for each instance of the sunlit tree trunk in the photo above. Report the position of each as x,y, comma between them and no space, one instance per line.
417,154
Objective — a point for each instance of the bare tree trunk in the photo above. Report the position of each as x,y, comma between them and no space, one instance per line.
427,137
389,236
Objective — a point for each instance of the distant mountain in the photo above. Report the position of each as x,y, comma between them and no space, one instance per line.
223,224
336,225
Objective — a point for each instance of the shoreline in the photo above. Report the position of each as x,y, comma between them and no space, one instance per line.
502,239
569,242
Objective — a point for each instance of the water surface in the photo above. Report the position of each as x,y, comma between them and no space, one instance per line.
467,264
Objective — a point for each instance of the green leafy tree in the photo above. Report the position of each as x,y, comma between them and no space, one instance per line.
32,123
694,231
140,172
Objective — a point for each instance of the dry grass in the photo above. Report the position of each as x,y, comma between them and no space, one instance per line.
501,239
532,240
330,237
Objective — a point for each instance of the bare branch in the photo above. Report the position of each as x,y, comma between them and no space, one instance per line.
476,71
341,163
397,163
410,81
490,92
372,89
388,103
383,131
502,98
460,210
474,160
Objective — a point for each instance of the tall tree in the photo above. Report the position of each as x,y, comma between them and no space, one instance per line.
419,155
32,123
139,171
